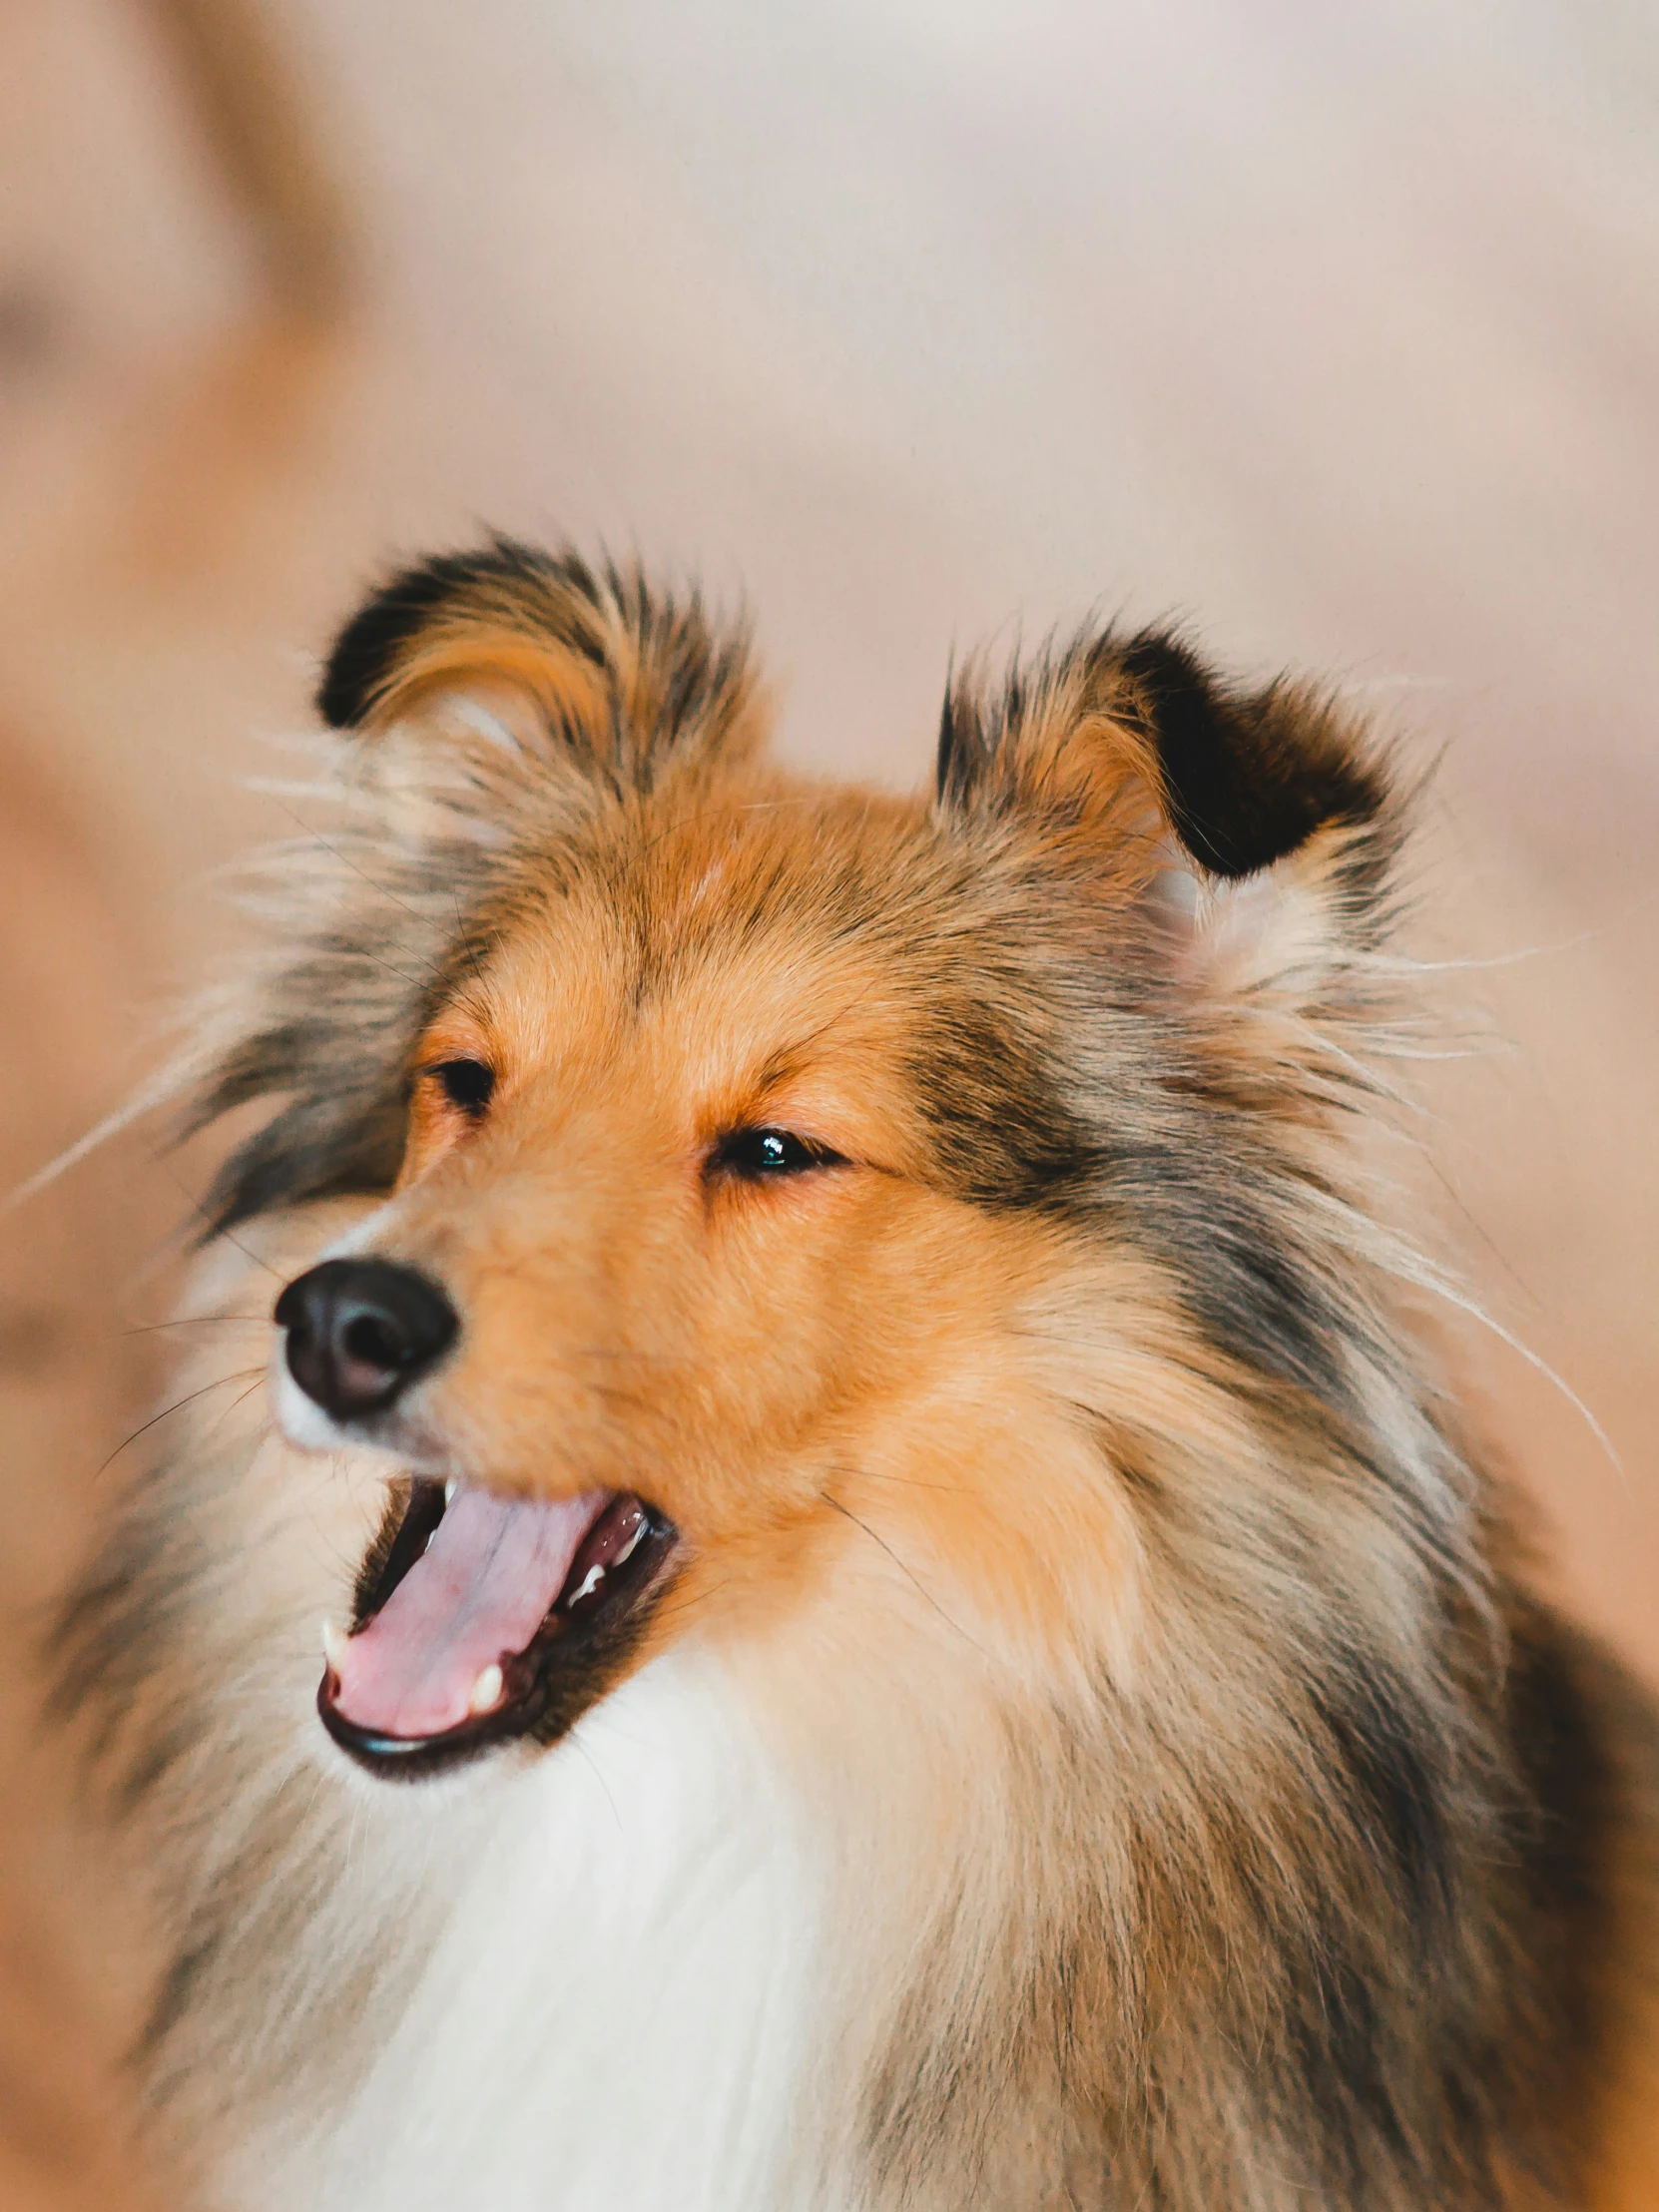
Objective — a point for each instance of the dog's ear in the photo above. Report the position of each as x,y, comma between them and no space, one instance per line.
525,647
1260,822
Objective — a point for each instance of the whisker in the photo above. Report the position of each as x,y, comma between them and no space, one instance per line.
907,1481
196,1321
1430,1279
347,861
220,1418
466,942
415,984
247,1251
904,1570
574,1739
202,1214
176,1406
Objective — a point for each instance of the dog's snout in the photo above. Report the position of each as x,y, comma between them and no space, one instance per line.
360,1331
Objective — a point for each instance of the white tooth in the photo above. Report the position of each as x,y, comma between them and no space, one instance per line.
334,1645
633,1544
449,1489
487,1691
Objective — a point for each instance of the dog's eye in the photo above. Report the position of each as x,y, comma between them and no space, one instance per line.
465,1084
760,1154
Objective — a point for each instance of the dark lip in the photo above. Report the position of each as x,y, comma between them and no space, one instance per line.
568,1666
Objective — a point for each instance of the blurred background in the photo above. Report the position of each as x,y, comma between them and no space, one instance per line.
1334,332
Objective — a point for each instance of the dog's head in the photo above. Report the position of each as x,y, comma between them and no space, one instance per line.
776,1174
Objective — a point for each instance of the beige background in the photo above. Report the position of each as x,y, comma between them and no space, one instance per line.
1336,330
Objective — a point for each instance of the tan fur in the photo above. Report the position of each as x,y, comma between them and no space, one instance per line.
1104,1622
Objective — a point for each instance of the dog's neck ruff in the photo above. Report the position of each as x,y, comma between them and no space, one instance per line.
613,2014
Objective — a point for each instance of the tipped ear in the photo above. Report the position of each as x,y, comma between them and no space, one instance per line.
1241,778
542,644
1184,785
1247,778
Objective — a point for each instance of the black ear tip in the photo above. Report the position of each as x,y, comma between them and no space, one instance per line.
1248,776
955,740
1162,663
363,657
345,689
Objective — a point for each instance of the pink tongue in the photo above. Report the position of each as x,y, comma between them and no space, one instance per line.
485,1584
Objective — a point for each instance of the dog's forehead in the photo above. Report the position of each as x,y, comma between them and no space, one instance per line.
802,883
768,942
788,855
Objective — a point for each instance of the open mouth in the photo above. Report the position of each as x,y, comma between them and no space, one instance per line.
482,1619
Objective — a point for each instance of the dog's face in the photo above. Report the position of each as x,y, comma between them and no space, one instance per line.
756,1139
670,1156
684,1190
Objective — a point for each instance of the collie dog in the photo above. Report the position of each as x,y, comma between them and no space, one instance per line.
906,1618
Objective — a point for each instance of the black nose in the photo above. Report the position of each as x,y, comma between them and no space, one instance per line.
361,1330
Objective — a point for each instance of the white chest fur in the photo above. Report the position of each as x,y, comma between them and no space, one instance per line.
616,2013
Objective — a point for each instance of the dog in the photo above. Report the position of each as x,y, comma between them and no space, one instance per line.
908,1617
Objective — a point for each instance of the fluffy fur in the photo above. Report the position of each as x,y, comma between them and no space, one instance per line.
1098,1751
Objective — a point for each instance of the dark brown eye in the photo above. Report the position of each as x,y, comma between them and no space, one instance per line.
760,1155
465,1084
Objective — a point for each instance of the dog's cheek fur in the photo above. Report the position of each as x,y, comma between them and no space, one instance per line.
1037,1870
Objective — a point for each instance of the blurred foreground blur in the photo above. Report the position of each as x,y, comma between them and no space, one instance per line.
1337,333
